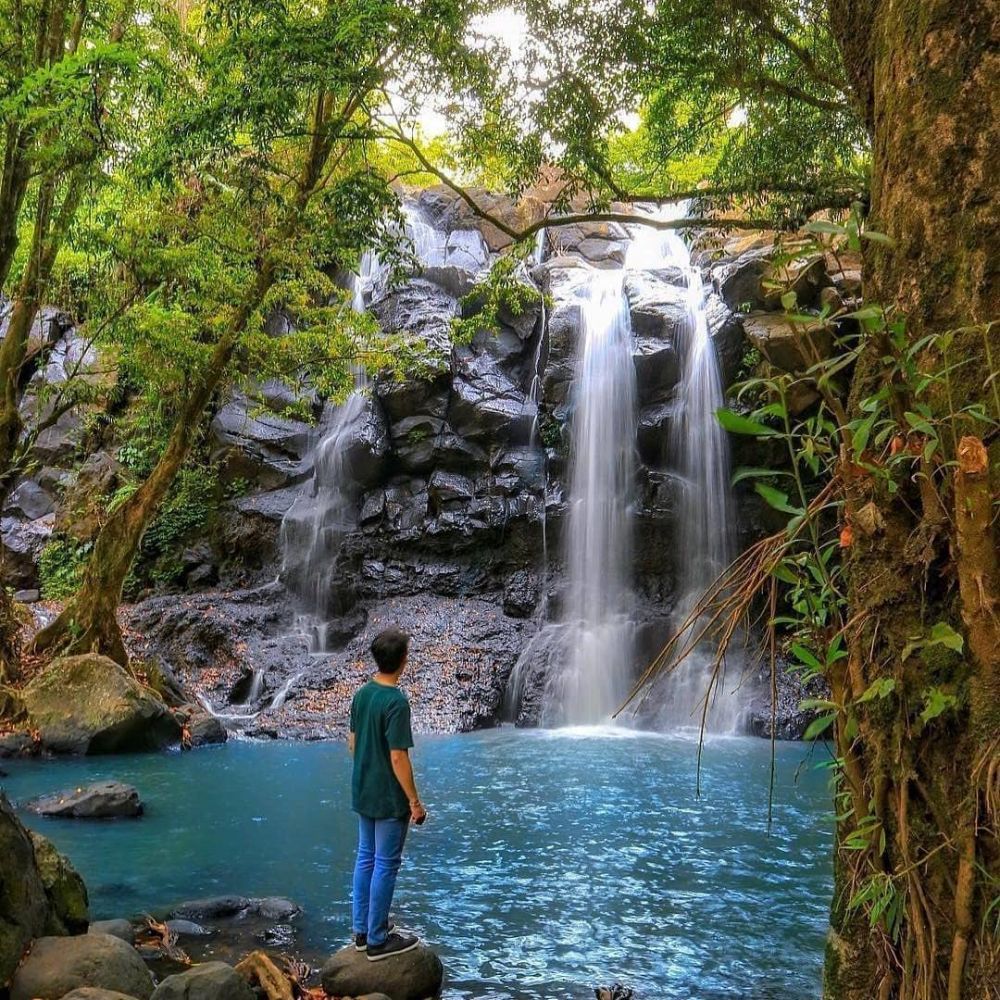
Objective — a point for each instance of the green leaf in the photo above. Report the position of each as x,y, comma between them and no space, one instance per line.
935,703
880,688
748,472
817,727
776,499
736,424
821,226
865,312
875,237
806,656
942,634
788,301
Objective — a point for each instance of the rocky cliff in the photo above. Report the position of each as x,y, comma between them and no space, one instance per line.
452,489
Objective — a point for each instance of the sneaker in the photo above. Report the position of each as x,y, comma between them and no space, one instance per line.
361,940
395,944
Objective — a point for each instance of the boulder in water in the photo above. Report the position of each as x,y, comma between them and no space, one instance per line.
210,981
413,975
119,928
57,965
24,905
89,704
66,893
95,993
102,800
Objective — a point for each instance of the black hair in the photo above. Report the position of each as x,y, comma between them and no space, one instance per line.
389,649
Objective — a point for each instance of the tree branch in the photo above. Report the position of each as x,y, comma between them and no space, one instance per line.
395,134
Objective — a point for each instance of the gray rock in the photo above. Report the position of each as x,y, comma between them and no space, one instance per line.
486,404
447,487
27,596
119,928
95,993
188,928
57,965
414,975
520,596
601,244
455,260
29,501
658,303
423,312
210,981
102,800
657,368
791,347
806,276
738,279
275,908
16,745
271,505
258,445
205,730
22,543
210,908
422,443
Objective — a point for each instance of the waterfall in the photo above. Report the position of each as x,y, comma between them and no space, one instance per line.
586,657
598,549
700,456
534,438
314,527
586,660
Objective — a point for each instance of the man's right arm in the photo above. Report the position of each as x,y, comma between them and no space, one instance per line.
403,770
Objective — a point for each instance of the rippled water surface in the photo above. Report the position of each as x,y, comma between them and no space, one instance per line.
552,861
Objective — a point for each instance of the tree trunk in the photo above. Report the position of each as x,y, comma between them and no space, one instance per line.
926,72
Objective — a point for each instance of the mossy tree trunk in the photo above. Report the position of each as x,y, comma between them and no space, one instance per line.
921,792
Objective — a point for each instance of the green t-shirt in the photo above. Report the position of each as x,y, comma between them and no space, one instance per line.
380,721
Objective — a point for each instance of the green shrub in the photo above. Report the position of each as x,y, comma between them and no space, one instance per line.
60,567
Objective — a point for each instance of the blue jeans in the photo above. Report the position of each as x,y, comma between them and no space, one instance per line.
380,851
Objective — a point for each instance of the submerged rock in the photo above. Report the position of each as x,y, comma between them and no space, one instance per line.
413,975
210,981
89,704
102,800
57,965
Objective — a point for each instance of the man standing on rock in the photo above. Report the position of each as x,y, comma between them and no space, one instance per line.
384,796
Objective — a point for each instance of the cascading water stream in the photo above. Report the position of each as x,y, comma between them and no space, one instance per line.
314,527
585,657
534,438
700,455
